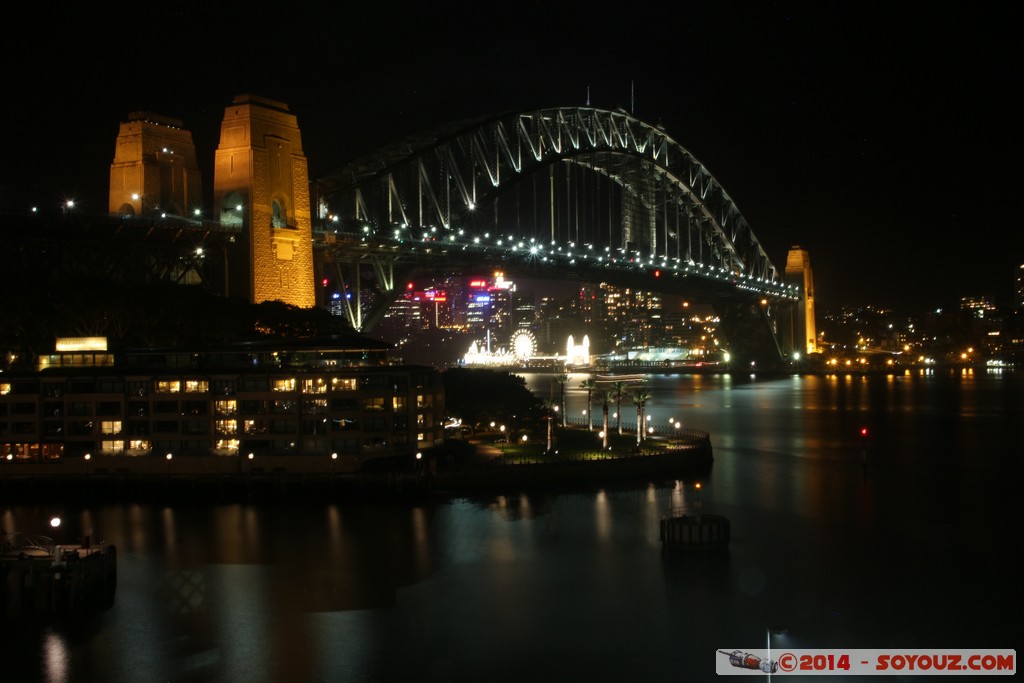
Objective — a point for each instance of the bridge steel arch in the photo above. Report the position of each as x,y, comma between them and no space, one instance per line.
618,201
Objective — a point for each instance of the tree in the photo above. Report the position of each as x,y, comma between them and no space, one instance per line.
475,394
589,385
620,388
605,396
548,407
562,380
640,398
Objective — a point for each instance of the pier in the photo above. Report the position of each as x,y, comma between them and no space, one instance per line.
41,582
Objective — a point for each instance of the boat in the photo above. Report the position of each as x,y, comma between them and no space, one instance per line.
629,379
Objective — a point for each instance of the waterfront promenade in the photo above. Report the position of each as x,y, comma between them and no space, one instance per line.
459,466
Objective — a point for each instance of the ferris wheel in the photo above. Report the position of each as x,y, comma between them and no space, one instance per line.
524,345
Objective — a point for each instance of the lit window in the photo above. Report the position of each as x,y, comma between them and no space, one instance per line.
373,403
226,407
5,388
168,387
110,427
197,386
343,384
228,445
111,446
284,384
227,426
314,386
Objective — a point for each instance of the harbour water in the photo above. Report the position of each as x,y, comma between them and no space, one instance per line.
904,538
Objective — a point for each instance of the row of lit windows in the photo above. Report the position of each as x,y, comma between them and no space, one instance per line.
200,407
223,426
308,385
318,385
223,446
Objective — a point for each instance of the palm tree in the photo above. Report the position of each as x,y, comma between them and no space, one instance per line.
605,396
589,384
548,409
562,381
620,389
640,398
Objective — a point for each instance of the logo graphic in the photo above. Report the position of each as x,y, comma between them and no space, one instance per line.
745,660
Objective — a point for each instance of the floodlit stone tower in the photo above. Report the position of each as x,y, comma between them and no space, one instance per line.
154,170
798,272
261,185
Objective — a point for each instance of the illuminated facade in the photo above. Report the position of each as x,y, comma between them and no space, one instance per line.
1018,300
154,170
280,399
802,335
261,184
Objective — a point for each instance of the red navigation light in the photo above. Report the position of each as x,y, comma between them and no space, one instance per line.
408,286
863,431
657,273
325,282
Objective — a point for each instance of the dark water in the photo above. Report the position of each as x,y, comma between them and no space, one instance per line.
910,542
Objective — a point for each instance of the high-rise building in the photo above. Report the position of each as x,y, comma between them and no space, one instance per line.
1019,298
977,306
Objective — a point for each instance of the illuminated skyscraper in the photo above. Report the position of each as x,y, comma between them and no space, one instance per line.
1019,298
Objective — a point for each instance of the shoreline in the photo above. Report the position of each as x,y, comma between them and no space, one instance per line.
469,477
628,371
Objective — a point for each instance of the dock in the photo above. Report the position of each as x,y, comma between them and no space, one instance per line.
41,582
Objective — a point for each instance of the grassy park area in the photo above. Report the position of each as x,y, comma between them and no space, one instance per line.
572,444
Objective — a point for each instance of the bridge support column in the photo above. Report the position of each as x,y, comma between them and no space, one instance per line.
261,184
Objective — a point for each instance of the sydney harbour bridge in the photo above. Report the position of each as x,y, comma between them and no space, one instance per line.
577,193
566,193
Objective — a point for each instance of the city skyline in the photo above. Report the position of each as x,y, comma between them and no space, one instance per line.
873,139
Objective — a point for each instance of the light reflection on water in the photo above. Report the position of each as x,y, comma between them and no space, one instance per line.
904,547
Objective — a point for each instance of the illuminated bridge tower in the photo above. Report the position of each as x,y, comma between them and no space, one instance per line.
801,336
154,169
261,185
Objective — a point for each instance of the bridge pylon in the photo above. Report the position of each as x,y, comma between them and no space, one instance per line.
801,335
154,171
261,185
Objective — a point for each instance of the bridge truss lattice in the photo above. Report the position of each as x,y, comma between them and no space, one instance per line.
575,191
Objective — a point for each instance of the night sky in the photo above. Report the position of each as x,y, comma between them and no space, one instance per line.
884,141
